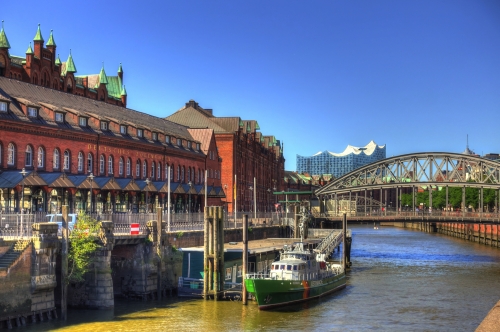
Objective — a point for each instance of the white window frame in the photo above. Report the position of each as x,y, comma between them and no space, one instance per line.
59,117
120,167
90,162
104,125
56,162
28,156
123,129
154,136
40,157
82,121
3,106
128,166
198,146
144,169
158,172
179,142
110,165
80,161
66,161
102,164
137,168
11,154
153,166
189,144
140,133
167,139
32,112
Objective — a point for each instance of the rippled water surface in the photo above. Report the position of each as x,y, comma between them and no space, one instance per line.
401,280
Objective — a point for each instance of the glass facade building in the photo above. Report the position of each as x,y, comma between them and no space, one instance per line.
338,164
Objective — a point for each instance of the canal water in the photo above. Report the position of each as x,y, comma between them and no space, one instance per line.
400,280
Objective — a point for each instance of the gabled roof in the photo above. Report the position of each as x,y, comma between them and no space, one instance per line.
204,136
195,117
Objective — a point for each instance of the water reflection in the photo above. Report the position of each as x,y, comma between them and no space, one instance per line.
401,280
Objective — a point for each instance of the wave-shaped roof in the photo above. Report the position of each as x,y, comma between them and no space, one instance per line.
368,150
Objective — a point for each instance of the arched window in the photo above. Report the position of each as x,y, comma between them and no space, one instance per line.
138,168
110,165
166,173
28,159
56,162
90,162
40,160
153,170
178,173
120,167
101,164
189,174
11,154
128,166
182,174
144,169
158,173
80,162
66,160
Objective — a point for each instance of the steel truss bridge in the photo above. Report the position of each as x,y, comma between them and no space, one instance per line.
353,193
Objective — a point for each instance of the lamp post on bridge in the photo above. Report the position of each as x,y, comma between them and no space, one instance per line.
147,196
189,200
91,179
23,173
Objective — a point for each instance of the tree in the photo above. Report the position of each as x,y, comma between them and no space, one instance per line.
82,247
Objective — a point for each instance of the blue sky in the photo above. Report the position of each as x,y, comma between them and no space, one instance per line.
319,75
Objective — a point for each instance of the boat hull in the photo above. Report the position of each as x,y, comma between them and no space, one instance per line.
274,293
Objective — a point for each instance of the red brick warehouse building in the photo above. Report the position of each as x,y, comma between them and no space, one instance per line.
60,128
245,154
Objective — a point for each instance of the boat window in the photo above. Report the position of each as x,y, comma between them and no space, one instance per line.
272,267
295,267
282,267
289,268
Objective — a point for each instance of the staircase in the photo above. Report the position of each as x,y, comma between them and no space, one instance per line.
14,252
329,243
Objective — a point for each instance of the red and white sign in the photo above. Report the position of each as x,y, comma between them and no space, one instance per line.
134,229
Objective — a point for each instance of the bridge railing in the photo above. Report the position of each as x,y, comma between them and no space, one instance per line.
440,215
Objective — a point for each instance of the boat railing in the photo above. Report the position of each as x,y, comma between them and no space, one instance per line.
257,275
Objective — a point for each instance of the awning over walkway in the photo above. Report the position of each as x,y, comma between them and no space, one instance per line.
11,179
57,180
83,182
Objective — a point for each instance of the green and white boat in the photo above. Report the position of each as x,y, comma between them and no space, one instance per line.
299,275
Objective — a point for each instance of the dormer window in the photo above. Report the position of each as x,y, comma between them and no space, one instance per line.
179,142
104,125
140,133
82,121
189,144
123,130
198,146
32,112
167,139
155,136
3,106
59,117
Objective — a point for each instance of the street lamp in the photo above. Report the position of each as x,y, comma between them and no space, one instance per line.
189,200
91,179
268,195
23,173
147,196
251,190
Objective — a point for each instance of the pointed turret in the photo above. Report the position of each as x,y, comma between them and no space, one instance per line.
103,79
4,42
29,50
124,96
51,41
70,65
120,72
38,42
58,61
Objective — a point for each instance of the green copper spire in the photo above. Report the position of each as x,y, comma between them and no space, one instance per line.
120,69
70,65
30,50
51,41
4,42
38,36
103,79
124,92
58,61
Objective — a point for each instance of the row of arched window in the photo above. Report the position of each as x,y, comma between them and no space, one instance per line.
106,165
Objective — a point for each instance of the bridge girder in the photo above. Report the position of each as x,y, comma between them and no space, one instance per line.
423,169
